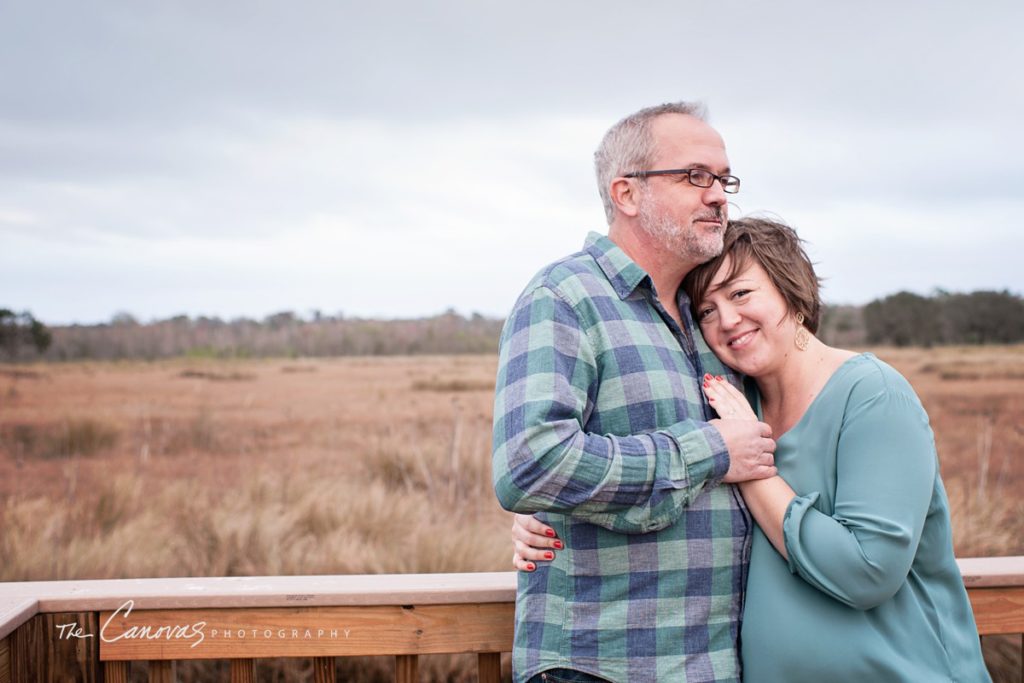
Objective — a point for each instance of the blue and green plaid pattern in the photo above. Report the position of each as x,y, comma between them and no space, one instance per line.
600,425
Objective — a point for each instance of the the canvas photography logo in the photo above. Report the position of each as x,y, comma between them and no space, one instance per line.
119,628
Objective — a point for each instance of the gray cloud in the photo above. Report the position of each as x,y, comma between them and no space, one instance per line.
126,129
108,62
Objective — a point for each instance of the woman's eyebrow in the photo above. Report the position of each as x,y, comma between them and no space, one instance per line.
726,283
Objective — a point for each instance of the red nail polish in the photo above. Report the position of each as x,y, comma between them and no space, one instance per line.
530,566
550,533
707,375
558,545
549,555
720,378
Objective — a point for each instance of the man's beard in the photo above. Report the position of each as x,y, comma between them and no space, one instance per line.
687,242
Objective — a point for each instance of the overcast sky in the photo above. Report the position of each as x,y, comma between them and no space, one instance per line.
238,158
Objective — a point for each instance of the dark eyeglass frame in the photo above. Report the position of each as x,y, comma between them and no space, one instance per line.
730,183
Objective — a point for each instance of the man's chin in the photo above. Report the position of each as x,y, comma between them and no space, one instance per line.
701,243
705,250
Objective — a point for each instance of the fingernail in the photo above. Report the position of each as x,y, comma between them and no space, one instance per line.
720,378
548,555
707,375
530,566
550,533
558,545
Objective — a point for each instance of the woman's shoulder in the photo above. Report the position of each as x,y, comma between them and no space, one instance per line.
867,379
869,372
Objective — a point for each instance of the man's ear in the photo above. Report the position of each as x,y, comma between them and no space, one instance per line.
625,194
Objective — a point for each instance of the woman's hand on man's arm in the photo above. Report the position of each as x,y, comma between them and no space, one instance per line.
534,542
749,458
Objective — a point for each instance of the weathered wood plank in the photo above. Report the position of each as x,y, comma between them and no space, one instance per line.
162,672
15,611
27,650
324,670
998,610
5,660
264,591
988,572
56,647
489,667
310,632
407,669
243,671
116,672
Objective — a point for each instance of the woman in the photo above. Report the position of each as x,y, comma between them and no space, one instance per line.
852,575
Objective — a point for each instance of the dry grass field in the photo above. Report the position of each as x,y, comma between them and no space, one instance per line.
357,465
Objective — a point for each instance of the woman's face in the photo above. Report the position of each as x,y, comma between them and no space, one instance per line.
745,321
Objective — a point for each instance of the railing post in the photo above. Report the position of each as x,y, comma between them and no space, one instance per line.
323,670
243,671
489,667
406,669
161,671
52,647
115,672
5,660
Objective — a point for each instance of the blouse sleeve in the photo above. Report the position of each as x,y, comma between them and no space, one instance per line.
885,472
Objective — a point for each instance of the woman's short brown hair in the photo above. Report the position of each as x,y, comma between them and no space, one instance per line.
776,248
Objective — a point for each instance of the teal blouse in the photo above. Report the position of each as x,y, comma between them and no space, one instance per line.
871,591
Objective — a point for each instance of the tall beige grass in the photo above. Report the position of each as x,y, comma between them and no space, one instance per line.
227,469
358,465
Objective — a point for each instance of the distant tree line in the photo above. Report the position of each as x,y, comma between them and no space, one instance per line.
907,319
902,319
21,335
283,334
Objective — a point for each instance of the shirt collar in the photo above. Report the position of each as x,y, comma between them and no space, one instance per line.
623,272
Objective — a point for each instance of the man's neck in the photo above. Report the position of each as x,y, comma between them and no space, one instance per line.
666,269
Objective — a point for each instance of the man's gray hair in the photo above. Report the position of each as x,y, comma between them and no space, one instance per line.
629,146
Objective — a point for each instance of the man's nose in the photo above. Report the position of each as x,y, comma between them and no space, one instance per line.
715,195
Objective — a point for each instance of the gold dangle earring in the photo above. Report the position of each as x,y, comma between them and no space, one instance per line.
803,337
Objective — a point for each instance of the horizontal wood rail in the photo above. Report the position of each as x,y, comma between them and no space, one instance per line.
92,630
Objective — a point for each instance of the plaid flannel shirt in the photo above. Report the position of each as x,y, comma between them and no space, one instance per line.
600,425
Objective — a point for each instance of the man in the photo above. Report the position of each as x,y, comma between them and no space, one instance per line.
600,425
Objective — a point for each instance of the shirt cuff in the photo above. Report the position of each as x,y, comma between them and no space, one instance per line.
791,521
704,456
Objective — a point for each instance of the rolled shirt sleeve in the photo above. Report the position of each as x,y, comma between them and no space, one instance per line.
885,473
545,460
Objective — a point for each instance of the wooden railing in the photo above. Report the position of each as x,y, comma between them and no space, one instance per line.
93,630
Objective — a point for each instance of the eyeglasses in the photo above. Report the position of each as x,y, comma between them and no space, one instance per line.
697,177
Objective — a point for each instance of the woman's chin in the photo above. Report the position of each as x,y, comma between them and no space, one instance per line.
736,367
729,359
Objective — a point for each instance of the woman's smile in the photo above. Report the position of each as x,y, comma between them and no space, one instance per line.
741,341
